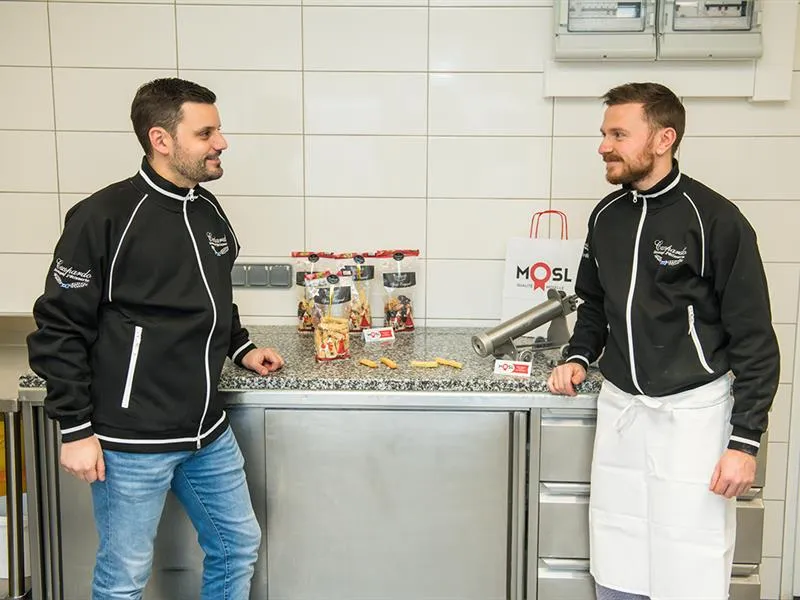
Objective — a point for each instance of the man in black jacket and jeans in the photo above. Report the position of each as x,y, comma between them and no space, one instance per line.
675,300
134,326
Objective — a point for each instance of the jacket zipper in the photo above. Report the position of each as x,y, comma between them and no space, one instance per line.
696,339
629,306
137,340
191,197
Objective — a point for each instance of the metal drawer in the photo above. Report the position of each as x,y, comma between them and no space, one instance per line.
564,523
564,580
749,528
567,441
564,520
745,583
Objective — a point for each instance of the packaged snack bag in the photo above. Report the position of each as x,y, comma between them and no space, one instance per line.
306,263
331,315
399,275
363,278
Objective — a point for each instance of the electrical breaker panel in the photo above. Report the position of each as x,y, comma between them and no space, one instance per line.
657,29
708,29
605,29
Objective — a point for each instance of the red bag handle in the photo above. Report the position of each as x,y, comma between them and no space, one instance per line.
537,217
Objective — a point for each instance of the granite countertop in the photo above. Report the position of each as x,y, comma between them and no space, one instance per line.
303,372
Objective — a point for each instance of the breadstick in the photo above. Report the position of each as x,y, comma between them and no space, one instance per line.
430,364
450,363
388,362
368,363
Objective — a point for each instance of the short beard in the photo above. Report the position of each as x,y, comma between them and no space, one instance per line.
195,171
632,174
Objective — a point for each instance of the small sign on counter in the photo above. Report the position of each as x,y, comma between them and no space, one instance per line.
379,334
514,368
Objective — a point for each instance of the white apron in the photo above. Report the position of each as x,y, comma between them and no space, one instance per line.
656,529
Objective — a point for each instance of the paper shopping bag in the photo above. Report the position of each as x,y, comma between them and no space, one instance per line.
533,265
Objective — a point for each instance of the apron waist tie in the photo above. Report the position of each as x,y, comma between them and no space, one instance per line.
628,414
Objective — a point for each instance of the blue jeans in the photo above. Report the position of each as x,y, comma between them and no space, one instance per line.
210,484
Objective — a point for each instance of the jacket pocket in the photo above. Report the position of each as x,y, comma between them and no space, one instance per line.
137,341
696,339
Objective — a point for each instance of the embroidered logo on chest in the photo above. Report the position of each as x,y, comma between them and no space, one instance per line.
69,278
667,255
219,245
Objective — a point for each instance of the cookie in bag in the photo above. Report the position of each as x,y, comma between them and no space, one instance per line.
363,276
331,316
399,277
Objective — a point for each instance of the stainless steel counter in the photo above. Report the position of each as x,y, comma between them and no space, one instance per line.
377,484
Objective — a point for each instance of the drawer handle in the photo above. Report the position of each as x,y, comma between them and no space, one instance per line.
565,489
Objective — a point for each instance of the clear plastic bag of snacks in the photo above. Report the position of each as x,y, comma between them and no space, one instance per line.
363,278
399,276
306,263
331,315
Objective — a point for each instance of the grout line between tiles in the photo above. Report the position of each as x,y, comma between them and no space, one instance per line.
55,123
304,158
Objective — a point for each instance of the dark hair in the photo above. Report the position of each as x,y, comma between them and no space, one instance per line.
661,106
158,103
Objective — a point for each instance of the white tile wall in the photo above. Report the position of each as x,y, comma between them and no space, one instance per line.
720,117
358,124
489,167
97,99
366,166
489,39
25,40
264,224
273,102
365,39
34,224
780,415
477,228
742,168
114,156
30,104
28,272
113,35
18,173
770,574
783,280
489,104
244,37
263,165
366,103
773,528
786,340
365,223
775,486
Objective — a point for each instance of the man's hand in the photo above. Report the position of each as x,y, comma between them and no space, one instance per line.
734,474
565,377
263,360
84,459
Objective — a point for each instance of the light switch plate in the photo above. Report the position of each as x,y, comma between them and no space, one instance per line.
280,275
257,276
239,276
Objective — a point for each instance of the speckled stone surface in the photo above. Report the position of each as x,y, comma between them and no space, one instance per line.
303,372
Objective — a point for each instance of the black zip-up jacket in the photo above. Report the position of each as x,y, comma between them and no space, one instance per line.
137,317
674,290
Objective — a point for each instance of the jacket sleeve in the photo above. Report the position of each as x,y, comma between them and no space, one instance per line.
240,339
591,328
66,320
753,354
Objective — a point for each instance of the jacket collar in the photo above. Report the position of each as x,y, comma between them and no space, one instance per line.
164,186
663,187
